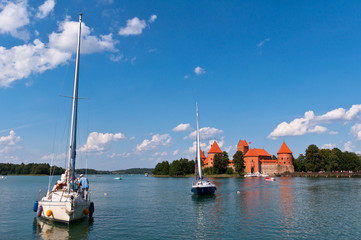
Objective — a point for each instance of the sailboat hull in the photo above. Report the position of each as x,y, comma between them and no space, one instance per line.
202,187
65,209
204,190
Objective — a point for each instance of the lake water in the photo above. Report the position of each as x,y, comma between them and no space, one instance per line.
139,207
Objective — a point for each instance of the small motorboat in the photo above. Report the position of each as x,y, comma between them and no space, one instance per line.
118,178
270,179
2,177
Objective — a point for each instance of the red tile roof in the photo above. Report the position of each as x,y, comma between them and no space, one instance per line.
255,152
284,149
243,143
202,155
214,148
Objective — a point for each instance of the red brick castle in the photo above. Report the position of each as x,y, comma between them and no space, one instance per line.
256,159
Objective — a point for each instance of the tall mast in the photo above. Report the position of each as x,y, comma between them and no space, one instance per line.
74,117
199,163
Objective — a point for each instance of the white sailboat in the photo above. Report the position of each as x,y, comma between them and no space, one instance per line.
64,203
201,186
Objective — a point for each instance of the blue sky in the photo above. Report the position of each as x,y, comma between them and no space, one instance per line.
264,71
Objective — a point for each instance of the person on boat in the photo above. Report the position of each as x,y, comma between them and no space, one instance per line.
77,184
84,182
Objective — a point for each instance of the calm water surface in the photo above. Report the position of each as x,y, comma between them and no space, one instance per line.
139,207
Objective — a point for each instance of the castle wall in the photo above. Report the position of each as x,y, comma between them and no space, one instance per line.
270,169
252,164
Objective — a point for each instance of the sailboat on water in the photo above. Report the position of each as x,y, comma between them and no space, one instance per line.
201,186
64,202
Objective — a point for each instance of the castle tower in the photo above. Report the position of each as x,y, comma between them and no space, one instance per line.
284,155
284,159
243,146
203,157
211,153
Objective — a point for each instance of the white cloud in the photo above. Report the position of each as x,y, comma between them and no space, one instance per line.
9,143
124,154
157,140
329,146
134,26
66,39
116,57
53,157
260,44
229,148
45,8
182,127
21,61
97,142
332,132
356,130
199,71
309,123
175,152
160,154
14,16
348,146
193,148
205,133
152,18
186,77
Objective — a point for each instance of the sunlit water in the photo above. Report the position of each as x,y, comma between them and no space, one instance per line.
139,207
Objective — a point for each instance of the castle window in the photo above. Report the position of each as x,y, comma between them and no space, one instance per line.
284,162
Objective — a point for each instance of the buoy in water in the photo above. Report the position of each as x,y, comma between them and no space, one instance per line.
86,211
105,194
238,192
49,213
35,208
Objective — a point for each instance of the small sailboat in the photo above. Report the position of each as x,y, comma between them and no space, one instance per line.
201,186
65,202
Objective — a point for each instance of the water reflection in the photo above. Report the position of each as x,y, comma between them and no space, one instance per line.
45,229
204,209
287,204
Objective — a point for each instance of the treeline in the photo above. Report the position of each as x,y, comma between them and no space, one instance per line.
40,169
31,168
183,166
327,160
134,171
179,167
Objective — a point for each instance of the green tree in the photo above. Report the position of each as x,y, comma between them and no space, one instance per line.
313,158
299,163
220,162
238,162
162,168
176,169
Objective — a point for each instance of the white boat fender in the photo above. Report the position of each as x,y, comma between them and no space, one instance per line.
91,209
35,208
40,210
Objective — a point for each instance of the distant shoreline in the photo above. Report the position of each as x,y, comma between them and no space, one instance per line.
295,174
322,174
